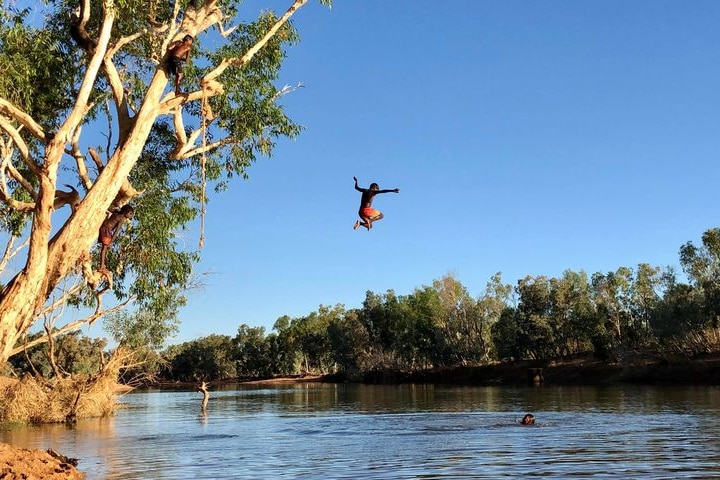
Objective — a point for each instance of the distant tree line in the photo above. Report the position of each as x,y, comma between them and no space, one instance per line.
644,309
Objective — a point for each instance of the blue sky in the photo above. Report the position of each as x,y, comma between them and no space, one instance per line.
527,137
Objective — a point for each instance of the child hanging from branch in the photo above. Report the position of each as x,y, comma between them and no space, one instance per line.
110,229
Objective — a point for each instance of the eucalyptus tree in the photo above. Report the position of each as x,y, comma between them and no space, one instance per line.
305,340
207,358
611,297
681,310
492,303
459,321
283,345
647,290
572,312
350,343
701,264
252,352
536,337
507,338
83,102
382,317
420,340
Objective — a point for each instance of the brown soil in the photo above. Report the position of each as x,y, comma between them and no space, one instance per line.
20,463
582,370
289,379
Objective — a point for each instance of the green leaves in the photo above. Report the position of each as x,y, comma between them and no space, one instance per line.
33,58
247,110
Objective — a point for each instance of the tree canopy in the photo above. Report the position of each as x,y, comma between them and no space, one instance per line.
87,126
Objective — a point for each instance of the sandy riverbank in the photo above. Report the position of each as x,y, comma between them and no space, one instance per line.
20,463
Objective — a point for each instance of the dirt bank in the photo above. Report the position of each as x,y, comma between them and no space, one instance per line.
583,370
20,463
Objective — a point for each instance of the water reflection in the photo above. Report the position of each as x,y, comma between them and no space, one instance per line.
401,431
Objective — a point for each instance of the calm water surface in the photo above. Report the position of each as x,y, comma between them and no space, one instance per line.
398,432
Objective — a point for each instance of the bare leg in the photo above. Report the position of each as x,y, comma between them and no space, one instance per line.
370,221
178,77
103,253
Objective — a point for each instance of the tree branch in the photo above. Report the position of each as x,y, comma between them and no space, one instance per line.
51,348
22,147
204,149
241,61
23,118
119,96
171,101
126,193
76,325
5,195
77,114
9,253
80,158
7,166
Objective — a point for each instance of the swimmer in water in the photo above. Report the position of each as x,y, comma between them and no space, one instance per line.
528,419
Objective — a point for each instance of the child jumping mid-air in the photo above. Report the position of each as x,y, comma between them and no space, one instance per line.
367,214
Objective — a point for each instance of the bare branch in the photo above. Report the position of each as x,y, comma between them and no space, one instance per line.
180,136
287,89
6,166
126,193
23,118
78,112
80,158
172,101
122,42
5,195
223,32
96,158
51,347
22,147
9,253
119,95
72,326
206,148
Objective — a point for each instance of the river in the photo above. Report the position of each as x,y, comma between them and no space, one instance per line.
350,431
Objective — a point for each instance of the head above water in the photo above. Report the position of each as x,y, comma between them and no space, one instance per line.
528,419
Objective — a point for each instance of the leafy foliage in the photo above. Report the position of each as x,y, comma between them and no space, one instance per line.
610,314
100,67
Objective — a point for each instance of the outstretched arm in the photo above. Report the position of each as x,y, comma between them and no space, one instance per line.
392,190
359,189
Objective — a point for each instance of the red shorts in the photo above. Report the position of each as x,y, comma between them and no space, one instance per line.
369,212
105,236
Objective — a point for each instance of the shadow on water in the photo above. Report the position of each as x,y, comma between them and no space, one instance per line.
399,431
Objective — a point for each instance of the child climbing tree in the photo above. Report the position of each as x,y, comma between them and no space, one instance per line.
148,135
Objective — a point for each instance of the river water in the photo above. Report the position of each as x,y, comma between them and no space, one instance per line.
328,431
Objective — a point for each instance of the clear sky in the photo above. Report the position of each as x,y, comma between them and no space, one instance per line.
527,137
